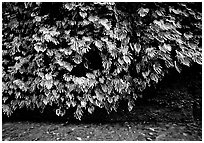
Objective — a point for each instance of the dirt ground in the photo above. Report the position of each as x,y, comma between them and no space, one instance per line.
121,131
145,124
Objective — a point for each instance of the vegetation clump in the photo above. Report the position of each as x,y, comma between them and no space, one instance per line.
79,56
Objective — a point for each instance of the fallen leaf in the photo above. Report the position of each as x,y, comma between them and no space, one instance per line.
148,139
7,139
78,138
58,138
142,134
112,131
152,129
185,134
36,139
151,134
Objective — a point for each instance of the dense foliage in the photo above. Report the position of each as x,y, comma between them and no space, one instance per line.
82,55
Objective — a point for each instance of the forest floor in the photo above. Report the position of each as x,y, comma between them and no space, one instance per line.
134,126
121,131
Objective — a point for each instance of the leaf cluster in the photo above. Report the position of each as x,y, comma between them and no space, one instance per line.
83,55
